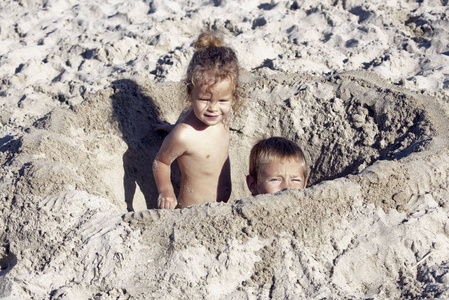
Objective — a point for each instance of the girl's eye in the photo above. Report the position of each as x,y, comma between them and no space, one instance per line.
224,101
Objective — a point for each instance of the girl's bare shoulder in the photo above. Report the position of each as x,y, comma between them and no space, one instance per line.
182,132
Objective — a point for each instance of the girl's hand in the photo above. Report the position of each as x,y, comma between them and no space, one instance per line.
166,201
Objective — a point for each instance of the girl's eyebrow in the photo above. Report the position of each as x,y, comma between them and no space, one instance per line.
205,95
209,96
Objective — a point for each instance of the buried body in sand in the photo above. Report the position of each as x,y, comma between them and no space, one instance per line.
276,164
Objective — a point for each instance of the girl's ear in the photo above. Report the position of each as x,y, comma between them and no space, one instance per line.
305,182
252,185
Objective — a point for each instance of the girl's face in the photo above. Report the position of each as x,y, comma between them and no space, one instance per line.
212,103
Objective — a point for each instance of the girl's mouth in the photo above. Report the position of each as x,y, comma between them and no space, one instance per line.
211,116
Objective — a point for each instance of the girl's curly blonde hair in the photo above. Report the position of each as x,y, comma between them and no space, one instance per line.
212,61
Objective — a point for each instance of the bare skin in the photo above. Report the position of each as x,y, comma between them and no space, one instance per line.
277,175
200,143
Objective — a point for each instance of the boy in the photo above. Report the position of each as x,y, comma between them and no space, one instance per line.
276,164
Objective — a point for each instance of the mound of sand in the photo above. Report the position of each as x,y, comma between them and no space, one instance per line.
83,82
385,149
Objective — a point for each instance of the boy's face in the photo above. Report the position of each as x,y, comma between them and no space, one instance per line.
277,175
212,103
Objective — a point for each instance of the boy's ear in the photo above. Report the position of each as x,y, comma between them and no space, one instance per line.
305,182
252,185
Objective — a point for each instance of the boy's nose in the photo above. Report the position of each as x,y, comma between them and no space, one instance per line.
285,185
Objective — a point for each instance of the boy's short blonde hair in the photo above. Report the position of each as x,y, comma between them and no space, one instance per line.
274,148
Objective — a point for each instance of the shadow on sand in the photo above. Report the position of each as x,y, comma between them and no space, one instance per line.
135,112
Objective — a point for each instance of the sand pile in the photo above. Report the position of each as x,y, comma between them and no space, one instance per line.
362,88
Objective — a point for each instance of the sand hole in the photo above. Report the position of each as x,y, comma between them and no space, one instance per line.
343,122
106,146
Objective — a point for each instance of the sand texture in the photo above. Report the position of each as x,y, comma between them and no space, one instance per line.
362,87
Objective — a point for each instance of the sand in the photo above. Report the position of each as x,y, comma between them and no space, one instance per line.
361,86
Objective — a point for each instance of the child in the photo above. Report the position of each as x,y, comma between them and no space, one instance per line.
276,164
200,141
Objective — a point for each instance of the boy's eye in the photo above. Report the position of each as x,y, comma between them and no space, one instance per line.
274,179
224,100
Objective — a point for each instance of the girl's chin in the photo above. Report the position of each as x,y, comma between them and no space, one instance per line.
211,122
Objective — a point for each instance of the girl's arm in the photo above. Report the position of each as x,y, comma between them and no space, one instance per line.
171,148
167,197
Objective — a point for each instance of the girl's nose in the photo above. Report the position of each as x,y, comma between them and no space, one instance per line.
212,106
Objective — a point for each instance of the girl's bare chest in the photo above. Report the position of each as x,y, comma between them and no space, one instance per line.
214,147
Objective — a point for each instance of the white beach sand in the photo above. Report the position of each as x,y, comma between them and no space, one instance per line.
362,86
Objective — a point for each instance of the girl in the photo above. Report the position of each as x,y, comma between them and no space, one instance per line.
200,141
